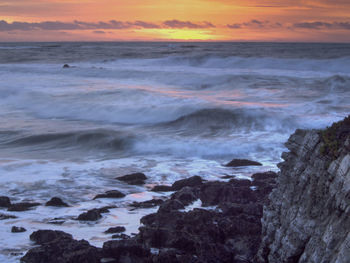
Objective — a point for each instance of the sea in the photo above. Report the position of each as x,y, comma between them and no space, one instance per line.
169,110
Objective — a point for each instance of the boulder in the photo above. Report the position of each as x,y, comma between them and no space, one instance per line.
242,162
24,206
191,181
162,188
133,179
16,229
127,250
147,204
5,201
5,216
66,66
55,201
46,236
91,215
110,194
113,230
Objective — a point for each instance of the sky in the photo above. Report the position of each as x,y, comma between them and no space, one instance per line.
175,20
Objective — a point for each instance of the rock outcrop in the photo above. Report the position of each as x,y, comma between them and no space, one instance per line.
307,218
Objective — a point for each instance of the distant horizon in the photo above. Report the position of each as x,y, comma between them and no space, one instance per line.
175,21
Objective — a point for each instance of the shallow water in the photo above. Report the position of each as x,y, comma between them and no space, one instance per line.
170,110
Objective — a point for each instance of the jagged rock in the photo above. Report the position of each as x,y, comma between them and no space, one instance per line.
91,215
133,179
121,236
24,206
16,229
110,194
242,162
127,250
5,216
240,182
55,201
147,204
113,230
307,218
171,205
59,247
191,181
162,188
186,195
5,201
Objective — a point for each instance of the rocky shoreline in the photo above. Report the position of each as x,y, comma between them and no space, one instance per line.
300,214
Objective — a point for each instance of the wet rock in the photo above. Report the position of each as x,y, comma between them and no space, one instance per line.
128,250
264,176
110,194
55,201
133,179
147,204
5,216
91,215
66,66
191,181
186,195
162,188
240,182
242,162
171,205
22,206
113,230
46,236
16,229
5,201
59,247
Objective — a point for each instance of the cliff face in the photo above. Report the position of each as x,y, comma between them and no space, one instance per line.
307,218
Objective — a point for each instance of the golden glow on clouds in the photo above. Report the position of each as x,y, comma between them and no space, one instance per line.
277,19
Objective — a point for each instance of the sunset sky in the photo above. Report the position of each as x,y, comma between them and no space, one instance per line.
154,20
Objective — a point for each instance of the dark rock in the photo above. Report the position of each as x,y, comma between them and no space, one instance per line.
5,201
55,201
133,179
162,188
16,229
59,247
22,206
242,162
5,216
147,204
186,195
264,176
191,181
127,250
110,194
91,215
46,236
66,66
240,182
113,230
171,205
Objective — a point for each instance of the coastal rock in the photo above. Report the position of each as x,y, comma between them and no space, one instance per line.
5,216
242,162
127,250
307,217
133,179
24,206
114,230
162,188
66,66
16,229
191,181
91,215
55,201
110,194
59,247
5,201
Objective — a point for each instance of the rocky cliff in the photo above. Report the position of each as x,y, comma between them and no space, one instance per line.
307,218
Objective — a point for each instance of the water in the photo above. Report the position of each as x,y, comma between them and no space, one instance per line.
170,110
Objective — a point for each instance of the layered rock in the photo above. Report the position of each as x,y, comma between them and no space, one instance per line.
307,218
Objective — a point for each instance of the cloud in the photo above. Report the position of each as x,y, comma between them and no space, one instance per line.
100,32
186,24
112,24
323,25
257,24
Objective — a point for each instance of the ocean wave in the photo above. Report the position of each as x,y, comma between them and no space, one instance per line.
219,120
90,139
